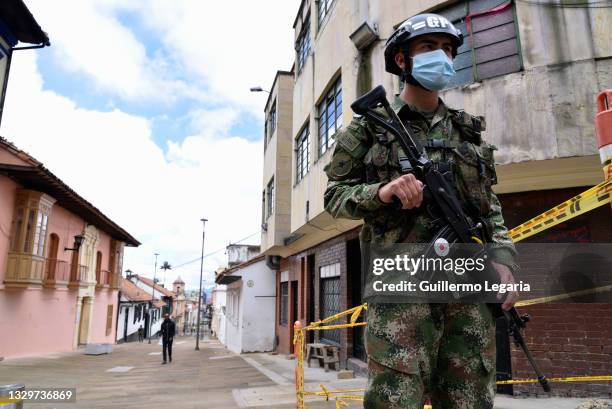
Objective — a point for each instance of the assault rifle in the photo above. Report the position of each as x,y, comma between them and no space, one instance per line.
457,227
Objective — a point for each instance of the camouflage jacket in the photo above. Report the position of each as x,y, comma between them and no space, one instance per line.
366,157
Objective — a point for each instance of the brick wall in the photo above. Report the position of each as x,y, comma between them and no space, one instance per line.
326,253
567,340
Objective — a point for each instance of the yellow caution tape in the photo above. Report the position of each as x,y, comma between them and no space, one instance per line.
6,401
569,379
591,199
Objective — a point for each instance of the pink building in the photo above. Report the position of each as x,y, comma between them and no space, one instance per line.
60,262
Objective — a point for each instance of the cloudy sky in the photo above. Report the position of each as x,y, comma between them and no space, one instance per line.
143,107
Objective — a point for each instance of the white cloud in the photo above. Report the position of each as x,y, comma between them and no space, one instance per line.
111,160
212,52
224,48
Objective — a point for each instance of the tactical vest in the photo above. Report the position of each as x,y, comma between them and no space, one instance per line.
461,156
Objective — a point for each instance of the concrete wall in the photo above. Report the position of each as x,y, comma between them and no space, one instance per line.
36,321
278,158
250,326
103,299
544,112
218,319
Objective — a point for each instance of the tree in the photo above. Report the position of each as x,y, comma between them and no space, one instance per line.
165,266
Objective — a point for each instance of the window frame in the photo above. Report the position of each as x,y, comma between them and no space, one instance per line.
323,16
272,118
303,45
302,153
283,315
270,194
470,49
332,99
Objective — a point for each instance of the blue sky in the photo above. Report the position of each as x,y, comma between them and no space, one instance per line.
152,98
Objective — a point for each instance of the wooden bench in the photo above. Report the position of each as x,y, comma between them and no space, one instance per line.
325,354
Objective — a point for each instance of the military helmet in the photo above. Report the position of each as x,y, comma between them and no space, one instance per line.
417,26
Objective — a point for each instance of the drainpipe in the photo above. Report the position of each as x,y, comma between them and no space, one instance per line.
9,58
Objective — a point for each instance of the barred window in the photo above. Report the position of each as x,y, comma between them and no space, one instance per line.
491,44
324,6
270,196
302,153
303,45
330,116
284,303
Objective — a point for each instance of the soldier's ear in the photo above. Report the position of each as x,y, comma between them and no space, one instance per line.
399,60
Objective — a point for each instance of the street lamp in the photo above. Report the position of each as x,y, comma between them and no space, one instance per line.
152,300
259,89
197,347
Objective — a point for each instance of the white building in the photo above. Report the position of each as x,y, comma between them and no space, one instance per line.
250,306
135,307
218,316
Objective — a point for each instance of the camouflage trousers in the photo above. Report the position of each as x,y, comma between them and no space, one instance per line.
445,352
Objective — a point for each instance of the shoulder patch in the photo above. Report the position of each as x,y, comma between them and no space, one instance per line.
354,139
341,164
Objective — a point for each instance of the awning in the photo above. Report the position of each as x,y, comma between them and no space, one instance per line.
228,279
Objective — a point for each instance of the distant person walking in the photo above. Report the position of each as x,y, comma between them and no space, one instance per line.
140,334
168,329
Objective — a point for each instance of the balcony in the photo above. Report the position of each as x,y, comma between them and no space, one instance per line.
56,273
78,276
24,270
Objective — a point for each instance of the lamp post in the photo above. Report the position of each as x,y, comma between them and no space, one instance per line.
197,347
258,89
152,299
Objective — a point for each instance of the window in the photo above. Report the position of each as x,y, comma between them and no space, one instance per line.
330,116
330,298
29,230
272,120
324,7
263,207
302,154
491,44
136,313
303,45
270,196
284,303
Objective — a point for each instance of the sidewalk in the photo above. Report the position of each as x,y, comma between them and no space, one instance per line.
132,377
281,370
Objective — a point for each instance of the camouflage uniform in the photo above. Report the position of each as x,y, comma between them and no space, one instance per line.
445,351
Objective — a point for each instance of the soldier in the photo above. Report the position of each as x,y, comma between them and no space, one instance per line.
442,351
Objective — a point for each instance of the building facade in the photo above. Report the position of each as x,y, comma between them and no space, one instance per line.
250,306
532,77
135,309
60,261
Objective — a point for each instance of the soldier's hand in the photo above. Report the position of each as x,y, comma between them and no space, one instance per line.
506,277
407,188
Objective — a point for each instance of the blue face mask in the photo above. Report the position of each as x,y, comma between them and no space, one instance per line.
433,69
